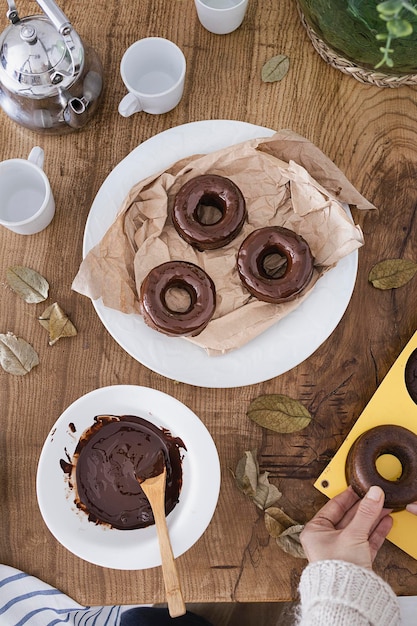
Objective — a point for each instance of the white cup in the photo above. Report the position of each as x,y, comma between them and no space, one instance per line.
153,70
221,16
26,202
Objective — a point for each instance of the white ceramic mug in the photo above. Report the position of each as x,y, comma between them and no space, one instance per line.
153,70
26,202
221,16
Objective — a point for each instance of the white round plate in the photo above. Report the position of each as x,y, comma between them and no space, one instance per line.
128,549
283,346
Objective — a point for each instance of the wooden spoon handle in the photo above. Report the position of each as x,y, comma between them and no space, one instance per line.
176,605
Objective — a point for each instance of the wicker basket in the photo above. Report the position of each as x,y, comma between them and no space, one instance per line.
370,77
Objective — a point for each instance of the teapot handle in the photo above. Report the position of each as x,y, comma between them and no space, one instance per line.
57,17
63,26
12,14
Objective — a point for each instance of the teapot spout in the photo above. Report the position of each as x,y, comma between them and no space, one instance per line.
75,113
77,110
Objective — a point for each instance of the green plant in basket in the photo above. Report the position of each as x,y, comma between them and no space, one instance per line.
369,33
393,12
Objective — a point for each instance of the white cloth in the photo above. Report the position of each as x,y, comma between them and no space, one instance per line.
27,601
336,593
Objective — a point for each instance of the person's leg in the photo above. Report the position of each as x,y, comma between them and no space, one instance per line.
156,616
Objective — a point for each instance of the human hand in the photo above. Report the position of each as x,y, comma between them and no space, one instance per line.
412,508
348,528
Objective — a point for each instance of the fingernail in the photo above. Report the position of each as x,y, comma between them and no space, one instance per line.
375,493
412,508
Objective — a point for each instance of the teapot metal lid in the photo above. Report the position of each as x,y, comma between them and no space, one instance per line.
35,57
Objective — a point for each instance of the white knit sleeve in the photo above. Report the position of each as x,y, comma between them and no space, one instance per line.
344,594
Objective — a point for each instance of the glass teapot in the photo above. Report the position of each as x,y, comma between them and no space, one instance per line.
49,81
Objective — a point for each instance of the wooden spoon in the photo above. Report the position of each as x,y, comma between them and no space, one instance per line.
154,490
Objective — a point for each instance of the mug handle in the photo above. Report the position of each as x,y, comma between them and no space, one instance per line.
36,156
129,104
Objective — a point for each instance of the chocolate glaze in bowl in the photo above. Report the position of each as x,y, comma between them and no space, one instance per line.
109,457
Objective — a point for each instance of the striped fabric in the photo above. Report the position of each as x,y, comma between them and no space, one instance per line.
27,601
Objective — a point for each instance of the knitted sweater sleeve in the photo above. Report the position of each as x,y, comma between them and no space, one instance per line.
344,594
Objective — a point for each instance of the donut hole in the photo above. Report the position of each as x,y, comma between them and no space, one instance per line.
389,467
272,264
179,298
210,210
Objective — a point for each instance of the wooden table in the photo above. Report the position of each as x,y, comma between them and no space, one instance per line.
371,134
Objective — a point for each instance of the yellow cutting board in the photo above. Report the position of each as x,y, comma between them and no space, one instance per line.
390,404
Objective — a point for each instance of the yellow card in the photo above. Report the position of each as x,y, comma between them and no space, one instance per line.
390,404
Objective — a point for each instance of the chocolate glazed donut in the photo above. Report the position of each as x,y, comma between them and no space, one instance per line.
208,190
361,471
188,277
267,241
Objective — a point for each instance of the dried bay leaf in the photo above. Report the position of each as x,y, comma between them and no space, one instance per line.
257,487
275,69
57,323
276,521
253,484
290,542
247,471
285,531
17,356
279,413
27,283
266,494
392,273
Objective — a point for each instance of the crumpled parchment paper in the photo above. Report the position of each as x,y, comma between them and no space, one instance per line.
286,181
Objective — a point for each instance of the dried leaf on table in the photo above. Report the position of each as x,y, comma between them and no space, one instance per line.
276,521
17,356
266,494
253,484
290,542
27,283
285,531
275,69
279,413
57,323
392,273
247,471
257,487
